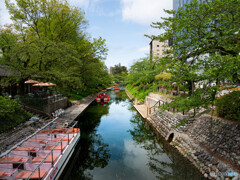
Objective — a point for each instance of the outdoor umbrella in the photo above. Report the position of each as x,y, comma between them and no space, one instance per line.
29,82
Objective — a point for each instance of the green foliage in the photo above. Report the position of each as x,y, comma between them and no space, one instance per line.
140,94
118,69
11,114
163,76
48,40
228,106
78,94
119,73
206,48
143,71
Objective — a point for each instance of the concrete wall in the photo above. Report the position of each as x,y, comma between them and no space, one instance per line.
51,107
153,98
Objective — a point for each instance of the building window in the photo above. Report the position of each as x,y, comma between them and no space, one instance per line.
157,45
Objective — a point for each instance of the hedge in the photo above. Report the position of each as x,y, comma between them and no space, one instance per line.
228,106
11,114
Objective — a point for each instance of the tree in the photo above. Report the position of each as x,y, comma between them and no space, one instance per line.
119,73
118,69
206,48
48,40
144,71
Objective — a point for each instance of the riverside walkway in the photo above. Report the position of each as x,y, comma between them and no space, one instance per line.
142,110
75,110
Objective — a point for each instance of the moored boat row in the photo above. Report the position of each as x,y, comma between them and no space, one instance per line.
43,155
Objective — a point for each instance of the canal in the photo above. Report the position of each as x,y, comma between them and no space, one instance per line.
116,143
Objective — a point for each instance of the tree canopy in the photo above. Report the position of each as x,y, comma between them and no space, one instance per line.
119,73
205,51
48,39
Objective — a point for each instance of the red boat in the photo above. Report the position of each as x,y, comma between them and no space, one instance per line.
116,89
103,97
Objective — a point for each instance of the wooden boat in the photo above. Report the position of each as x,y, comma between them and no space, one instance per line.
43,155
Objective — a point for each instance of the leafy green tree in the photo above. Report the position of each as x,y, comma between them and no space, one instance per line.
48,40
144,71
206,49
118,69
119,73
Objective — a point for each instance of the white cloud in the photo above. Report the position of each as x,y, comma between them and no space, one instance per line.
144,11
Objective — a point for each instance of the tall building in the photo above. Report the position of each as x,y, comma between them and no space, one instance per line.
157,48
180,3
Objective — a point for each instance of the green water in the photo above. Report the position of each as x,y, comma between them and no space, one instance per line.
116,143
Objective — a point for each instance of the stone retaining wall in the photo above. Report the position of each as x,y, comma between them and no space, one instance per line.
216,151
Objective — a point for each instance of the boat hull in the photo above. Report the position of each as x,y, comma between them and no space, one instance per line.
59,166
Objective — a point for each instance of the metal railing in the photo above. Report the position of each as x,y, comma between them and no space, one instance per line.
45,132
160,103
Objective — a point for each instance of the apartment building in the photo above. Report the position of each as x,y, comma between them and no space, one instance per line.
157,48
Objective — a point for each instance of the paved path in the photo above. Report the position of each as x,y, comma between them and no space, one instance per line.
142,109
75,110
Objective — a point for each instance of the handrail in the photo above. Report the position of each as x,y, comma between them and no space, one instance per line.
51,152
21,142
158,102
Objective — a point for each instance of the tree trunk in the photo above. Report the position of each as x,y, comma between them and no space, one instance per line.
21,87
190,87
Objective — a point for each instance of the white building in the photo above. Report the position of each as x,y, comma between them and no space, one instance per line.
157,48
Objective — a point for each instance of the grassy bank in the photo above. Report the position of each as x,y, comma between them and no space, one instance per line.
138,93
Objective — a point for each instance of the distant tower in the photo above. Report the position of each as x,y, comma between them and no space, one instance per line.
110,70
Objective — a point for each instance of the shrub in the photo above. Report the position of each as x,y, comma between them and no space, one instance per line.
228,106
11,114
139,94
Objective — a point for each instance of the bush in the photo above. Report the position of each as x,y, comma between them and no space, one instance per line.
140,94
228,106
11,114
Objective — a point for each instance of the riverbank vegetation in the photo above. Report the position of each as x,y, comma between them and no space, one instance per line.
48,41
204,57
11,114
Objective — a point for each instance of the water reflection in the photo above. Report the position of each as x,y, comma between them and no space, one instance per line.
115,144
91,151
164,161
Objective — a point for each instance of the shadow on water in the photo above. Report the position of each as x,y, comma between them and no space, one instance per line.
91,151
116,143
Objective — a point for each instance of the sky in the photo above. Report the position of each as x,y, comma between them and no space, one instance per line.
122,23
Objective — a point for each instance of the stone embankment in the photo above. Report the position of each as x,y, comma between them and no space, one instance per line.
211,144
